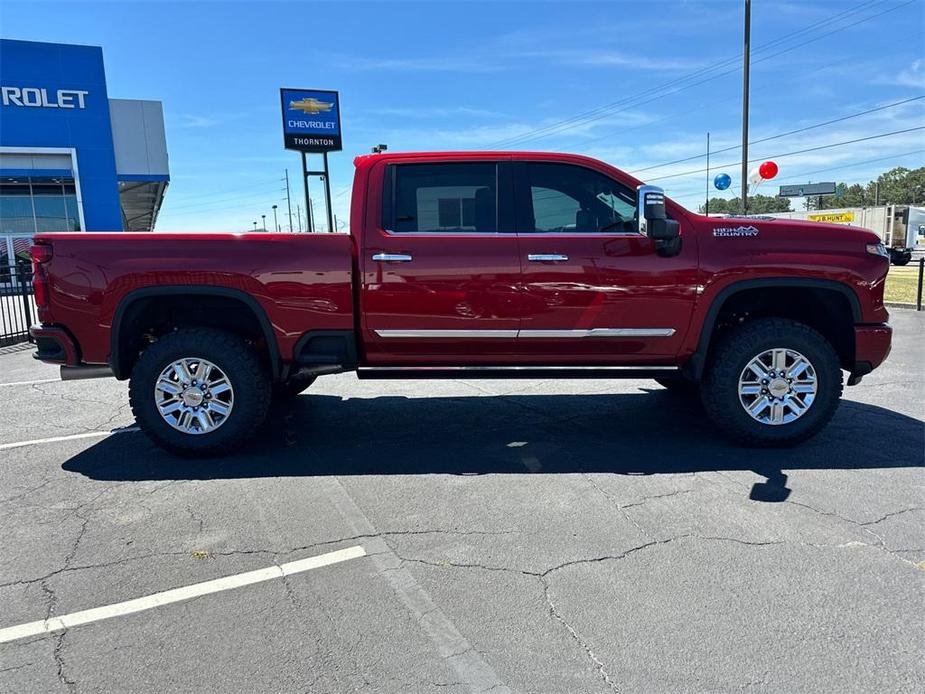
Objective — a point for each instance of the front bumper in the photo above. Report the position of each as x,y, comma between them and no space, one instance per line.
872,345
54,345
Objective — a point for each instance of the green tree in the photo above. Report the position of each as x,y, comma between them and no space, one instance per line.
898,186
757,204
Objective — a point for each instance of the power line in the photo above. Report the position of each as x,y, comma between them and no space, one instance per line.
780,135
806,174
683,78
799,151
210,201
585,144
602,111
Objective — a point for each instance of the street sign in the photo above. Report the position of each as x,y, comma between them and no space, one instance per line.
311,120
804,189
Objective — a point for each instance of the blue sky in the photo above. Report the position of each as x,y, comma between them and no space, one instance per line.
470,75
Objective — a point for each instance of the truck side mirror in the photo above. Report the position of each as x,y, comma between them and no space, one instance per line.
652,220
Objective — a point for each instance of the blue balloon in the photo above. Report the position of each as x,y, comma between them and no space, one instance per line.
722,181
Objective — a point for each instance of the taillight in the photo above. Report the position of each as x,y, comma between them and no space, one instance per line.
41,253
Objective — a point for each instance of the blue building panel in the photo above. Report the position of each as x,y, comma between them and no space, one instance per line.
54,96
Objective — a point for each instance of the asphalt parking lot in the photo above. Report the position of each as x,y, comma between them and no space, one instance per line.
529,536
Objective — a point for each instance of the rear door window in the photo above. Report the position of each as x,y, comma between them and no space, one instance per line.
447,197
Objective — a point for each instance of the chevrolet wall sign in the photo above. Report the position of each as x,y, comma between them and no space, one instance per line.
38,97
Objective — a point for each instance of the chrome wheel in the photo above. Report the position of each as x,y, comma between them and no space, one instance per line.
778,386
193,395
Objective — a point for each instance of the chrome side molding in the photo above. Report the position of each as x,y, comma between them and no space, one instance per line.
598,332
527,334
438,334
547,257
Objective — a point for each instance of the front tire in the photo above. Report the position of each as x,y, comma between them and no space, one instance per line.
772,382
199,392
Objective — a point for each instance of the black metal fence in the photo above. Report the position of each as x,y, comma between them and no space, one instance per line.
17,306
918,292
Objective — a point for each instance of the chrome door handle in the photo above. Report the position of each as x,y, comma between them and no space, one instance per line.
392,257
547,257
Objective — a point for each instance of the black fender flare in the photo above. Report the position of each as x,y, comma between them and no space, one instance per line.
116,361
694,366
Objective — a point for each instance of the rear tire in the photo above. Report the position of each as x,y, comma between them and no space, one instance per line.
199,392
790,405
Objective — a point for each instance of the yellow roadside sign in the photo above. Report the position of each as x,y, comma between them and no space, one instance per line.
836,217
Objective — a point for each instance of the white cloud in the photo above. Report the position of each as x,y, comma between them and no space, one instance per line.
191,121
423,64
608,58
913,76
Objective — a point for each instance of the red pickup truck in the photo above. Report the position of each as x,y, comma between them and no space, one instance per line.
477,265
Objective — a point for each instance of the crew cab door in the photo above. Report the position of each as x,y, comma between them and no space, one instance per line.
594,288
440,264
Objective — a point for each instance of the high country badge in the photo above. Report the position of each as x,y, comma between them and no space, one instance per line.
736,231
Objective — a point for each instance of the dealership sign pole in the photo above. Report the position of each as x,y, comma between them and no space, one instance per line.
311,124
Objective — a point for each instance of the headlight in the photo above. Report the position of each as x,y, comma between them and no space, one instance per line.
878,249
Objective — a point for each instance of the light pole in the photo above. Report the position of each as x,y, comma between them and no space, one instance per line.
264,218
255,226
275,223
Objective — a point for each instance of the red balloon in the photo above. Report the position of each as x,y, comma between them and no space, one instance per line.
767,170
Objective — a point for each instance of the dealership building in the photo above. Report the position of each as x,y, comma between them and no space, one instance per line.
71,158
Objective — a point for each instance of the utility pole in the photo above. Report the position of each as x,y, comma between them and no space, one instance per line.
706,206
745,65
288,201
298,216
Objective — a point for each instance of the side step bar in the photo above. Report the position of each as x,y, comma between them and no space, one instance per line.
75,373
412,372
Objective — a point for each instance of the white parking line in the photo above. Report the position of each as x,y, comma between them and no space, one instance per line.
30,383
69,437
119,609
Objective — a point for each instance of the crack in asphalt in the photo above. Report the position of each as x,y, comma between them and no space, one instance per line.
894,513
67,568
879,542
80,401
15,667
69,684
646,499
196,518
573,633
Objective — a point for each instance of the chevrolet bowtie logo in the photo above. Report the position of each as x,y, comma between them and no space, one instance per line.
311,105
